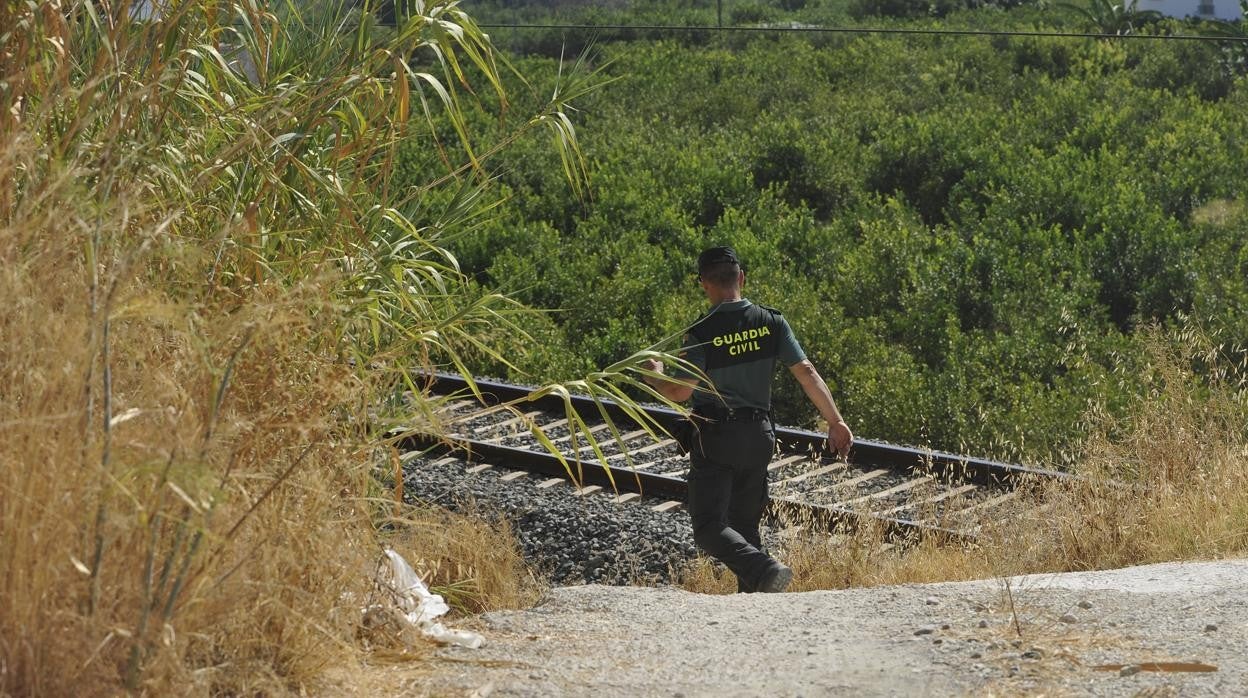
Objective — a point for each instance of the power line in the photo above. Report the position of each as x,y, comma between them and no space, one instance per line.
864,30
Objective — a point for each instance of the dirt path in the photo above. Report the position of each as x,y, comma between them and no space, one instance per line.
1044,635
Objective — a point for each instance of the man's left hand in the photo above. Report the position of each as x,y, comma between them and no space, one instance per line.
840,438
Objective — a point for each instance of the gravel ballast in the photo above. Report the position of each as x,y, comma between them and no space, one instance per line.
570,538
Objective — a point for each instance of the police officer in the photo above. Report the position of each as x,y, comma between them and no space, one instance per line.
737,344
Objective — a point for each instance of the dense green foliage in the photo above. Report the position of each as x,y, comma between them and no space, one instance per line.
966,232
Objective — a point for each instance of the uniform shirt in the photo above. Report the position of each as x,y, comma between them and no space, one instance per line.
737,344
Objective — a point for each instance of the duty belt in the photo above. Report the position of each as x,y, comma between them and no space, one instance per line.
731,414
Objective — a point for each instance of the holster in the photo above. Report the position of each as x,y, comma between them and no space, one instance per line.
685,432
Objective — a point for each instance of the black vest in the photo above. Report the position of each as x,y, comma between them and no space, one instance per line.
741,347
735,337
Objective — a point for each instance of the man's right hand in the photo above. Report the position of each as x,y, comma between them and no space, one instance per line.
652,365
840,438
674,389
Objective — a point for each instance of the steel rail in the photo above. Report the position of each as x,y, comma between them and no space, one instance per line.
624,479
591,472
979,471
582,472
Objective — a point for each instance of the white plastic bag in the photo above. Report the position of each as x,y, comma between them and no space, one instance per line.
421,608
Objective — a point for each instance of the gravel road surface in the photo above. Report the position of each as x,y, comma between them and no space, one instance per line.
1143,631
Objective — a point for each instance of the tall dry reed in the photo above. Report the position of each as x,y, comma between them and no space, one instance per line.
210,295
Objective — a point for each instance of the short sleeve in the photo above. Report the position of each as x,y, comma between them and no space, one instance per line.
790,352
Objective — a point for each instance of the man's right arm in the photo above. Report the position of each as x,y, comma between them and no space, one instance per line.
680,387
674,389
840,437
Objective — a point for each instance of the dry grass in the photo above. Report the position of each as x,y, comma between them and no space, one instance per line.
475,564
1168,481
1218,212
173,499
211,540
199,320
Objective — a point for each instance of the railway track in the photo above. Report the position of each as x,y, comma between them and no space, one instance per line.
906,490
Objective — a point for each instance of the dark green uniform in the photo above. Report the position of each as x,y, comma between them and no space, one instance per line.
737,344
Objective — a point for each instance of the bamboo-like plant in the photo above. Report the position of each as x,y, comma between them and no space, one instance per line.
1106,17
210,287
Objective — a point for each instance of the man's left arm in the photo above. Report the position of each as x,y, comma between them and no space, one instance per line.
840,438
839,435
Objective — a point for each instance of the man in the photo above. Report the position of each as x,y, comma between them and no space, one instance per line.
737,344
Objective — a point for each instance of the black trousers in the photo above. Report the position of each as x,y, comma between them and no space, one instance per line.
727,495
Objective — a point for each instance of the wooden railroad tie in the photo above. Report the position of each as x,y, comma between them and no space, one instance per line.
812,473
909,484
938,497
853,482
